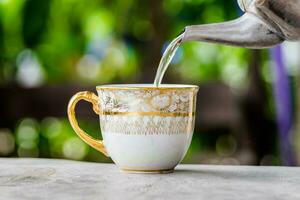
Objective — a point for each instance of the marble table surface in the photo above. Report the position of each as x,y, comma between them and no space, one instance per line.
30,179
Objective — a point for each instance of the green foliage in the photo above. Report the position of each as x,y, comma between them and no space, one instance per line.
106,39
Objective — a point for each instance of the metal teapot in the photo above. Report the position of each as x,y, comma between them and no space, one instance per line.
264,24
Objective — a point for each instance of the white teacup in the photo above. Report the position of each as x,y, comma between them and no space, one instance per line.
144,128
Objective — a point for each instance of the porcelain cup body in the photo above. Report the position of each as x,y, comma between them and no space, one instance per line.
146,128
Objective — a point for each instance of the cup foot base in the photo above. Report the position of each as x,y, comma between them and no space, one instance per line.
136,171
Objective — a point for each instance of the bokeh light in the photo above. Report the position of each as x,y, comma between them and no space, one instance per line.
28,138
75,149
29,72
7,142
226,145
51,127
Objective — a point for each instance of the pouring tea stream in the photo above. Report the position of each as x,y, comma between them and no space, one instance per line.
264,24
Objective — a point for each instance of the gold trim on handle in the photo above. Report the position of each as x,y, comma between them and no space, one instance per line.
92,98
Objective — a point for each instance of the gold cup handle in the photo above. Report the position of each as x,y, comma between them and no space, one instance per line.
92,98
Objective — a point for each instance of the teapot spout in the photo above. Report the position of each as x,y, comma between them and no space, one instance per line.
248,31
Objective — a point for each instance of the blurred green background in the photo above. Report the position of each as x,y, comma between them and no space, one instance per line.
51,49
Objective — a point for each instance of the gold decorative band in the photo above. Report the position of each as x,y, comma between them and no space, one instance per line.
160,114
188,87
161,171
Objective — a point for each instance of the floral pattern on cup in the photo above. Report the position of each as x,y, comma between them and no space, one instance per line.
146,101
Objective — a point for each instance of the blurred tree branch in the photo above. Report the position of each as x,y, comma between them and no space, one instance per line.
35,18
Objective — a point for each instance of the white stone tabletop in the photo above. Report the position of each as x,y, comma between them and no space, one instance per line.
30,179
